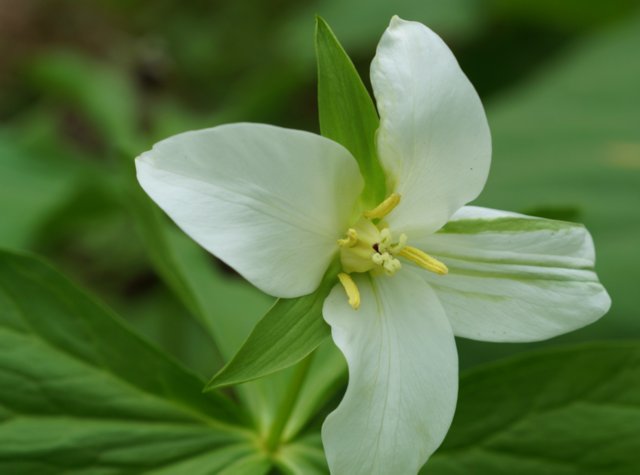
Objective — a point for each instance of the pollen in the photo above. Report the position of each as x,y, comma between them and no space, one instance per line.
351,289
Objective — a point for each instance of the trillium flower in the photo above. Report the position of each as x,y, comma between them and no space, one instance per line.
280,205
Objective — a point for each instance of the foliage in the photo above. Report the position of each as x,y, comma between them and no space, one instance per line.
82,392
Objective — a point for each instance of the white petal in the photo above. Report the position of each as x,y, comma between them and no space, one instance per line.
513,277
434,140
403,377
268,201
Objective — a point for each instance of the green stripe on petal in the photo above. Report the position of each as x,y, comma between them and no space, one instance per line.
514,277
518,272
505,225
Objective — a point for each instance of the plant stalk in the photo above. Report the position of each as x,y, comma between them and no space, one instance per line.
287,404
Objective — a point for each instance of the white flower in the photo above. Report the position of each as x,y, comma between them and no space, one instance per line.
278,205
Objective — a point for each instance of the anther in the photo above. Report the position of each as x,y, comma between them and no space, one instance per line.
424,260
351,289
383,208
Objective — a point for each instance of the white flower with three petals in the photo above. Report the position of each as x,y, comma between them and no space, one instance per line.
279,205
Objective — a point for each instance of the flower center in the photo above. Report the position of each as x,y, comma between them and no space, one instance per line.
367,248
370,246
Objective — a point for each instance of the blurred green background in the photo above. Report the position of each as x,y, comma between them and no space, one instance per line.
85,86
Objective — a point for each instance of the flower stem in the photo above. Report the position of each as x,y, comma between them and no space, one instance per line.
287,404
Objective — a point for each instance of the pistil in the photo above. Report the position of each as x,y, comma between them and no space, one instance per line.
351,239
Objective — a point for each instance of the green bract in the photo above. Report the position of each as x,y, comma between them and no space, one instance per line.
280,205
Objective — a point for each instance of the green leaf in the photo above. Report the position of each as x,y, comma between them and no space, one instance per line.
289,332
327,376
347,113
81,392
220,461
257,464
303,457
565,411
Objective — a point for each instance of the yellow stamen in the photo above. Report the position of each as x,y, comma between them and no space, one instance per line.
351,289
383,208
351,239
424,260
